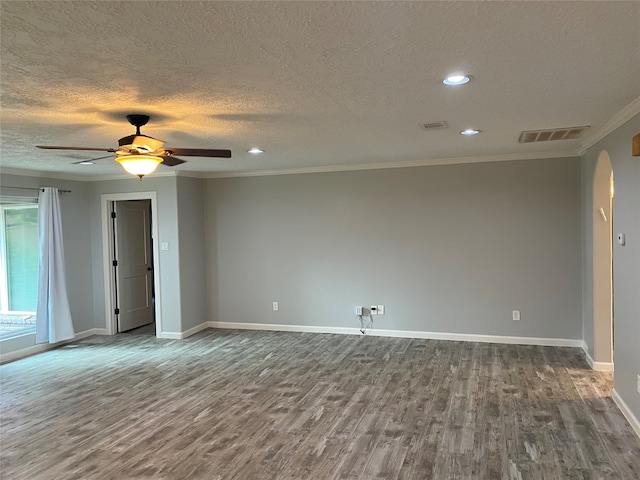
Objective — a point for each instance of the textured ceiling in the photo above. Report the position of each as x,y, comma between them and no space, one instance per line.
314,84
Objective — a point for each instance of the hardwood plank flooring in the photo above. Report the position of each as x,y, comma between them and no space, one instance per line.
243,405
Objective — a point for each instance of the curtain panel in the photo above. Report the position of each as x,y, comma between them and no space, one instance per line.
53,317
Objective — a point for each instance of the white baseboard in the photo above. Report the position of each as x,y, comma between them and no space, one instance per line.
43,347
598,366
457,337
286,328
169,335
626,411
185,334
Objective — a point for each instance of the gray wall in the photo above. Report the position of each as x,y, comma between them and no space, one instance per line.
626,259
446,248
193,291
75,213
167,221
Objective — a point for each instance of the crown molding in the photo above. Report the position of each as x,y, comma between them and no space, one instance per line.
44,174
189,174
128,176
386,165
78,178
307,170
620,118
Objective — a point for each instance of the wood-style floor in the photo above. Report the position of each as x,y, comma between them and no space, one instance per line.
270,405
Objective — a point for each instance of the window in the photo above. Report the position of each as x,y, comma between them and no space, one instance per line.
18,267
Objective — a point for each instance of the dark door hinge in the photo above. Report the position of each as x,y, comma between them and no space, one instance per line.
113,214
115,263
117,311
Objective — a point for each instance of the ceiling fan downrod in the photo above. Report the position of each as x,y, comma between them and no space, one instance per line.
138,121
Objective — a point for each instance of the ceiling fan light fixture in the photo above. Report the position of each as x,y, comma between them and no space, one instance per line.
139,165
255,151
470,131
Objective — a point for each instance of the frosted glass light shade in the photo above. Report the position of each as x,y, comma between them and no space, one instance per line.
139,165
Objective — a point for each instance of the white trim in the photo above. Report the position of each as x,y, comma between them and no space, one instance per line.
597,366
602,366
186,333
127,176
505,157
43,347
169,335
107,248
457,337
41,174
384,165
587,357
285,328
623,116
77,177
626,411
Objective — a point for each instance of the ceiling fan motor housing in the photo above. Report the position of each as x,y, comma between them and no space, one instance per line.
140,142
138,120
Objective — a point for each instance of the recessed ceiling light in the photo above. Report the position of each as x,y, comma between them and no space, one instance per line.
457,79
255,151
470,131
86,163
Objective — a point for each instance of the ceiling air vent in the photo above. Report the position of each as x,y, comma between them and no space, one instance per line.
556,134
434,125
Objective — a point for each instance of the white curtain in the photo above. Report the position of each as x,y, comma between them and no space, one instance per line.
53,317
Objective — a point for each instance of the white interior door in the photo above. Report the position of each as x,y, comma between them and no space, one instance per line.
134,265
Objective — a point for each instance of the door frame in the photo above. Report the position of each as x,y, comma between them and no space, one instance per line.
107,249
602,267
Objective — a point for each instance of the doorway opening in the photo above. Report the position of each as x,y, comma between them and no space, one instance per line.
130,259
603,288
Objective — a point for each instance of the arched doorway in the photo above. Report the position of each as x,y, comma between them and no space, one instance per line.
603,263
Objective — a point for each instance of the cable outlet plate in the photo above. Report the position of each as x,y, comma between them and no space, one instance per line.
516,315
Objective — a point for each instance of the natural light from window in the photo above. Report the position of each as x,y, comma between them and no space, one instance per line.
19,268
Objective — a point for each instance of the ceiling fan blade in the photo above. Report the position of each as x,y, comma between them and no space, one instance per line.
91,160
196,152
170,161
77,148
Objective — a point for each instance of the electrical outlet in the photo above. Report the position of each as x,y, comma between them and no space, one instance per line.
516,315
380,309
374,310
359,311
276,307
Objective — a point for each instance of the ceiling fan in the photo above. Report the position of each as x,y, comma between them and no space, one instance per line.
140,154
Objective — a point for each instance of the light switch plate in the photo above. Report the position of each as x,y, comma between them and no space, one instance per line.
621,239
